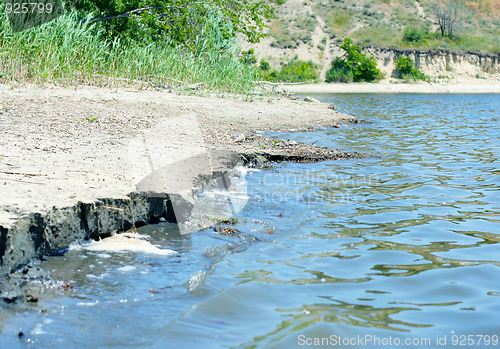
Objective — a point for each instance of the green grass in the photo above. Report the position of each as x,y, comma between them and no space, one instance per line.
338,22
293,71
377,35
292,33
68,51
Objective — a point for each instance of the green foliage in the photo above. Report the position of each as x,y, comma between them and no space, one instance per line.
294,71
180,20
353,63
407,70
69,51
298,71
404,65
264,66
248,57
339,72
414,35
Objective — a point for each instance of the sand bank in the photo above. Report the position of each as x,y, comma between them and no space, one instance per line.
78,164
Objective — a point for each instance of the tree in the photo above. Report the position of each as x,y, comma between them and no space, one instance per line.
447,14
181,20
354,64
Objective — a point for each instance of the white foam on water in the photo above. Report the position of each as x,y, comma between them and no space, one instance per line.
87,304
244,170
38,330
126,268
196,280
125,242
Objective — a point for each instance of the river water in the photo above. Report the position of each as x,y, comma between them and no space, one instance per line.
400,249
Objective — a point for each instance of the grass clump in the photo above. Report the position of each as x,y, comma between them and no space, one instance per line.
290,34
338,21
295,70
298,71
414,35
408,71
72,51
354,65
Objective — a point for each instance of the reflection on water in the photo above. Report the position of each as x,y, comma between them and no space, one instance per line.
402,245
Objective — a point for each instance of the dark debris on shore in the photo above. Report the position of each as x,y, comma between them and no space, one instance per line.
260,150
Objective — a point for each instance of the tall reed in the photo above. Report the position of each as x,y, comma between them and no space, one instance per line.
71,51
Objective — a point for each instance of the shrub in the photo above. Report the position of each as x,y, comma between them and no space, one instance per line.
294,71
264,65
414,35
354,63
298,71
404,65
407,70
248,57
339,72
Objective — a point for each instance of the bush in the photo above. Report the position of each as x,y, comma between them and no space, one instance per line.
414,35
294,71
264,65
404,65
354,65
248,57
339,72
407,70
298,71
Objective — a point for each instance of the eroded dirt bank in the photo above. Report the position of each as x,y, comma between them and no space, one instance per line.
79,164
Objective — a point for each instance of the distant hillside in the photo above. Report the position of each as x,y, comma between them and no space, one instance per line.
313,29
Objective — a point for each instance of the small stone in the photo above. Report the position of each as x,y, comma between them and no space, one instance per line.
311,99
226,230
31,299
240,138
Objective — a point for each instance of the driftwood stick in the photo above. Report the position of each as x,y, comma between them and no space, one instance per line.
18,180
167,78
22,174
143,81
277,83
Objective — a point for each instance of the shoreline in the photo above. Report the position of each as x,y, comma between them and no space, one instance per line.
85,163
467,86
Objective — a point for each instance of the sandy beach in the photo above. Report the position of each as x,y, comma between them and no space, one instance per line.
55,133
75,163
